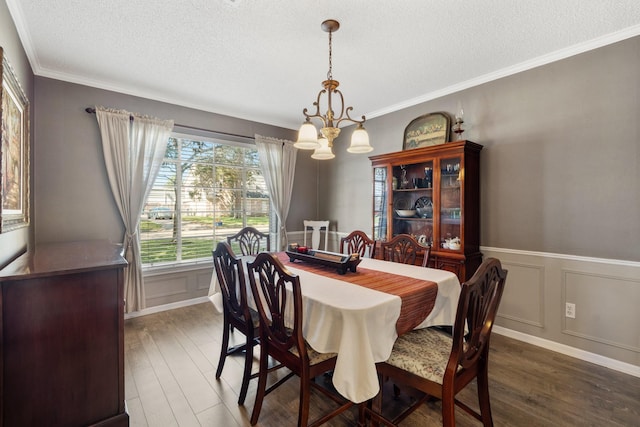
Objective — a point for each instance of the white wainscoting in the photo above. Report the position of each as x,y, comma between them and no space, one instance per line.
606,294
168,285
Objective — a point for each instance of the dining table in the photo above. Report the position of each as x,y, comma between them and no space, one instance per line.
359,315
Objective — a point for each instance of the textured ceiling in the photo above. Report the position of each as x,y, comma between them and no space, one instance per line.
264,60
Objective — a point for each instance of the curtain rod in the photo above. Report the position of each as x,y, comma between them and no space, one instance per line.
92,110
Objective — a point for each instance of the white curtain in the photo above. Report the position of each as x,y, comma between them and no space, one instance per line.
278,164
133,153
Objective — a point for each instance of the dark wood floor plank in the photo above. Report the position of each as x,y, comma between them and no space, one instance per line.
171,357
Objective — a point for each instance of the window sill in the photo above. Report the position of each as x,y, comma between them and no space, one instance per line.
160,269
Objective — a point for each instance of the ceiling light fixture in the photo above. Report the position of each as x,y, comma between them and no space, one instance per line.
308,138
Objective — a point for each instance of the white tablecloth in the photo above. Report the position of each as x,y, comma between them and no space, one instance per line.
359,324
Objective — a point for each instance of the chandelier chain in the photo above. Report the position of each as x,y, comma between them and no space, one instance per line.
330,73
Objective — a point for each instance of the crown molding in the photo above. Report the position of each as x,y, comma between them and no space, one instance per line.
558,55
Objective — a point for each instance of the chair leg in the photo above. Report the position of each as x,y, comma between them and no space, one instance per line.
483,396
224,348
396,392
376,402
305,396
362,414
448,408
246,376
262,385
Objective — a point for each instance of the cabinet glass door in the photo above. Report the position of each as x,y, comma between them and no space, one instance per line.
451,203
413,201
380,198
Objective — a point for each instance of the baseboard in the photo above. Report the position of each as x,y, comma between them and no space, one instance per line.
596,359
165,307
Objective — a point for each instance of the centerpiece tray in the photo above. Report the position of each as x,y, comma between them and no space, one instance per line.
341,262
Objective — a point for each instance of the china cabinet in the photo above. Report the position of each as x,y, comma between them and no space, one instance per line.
432,193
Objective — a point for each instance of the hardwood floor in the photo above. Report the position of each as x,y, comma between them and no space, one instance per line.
171,357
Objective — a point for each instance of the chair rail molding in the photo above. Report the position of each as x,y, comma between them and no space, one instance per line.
568,257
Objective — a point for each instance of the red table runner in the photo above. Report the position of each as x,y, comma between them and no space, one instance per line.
418,296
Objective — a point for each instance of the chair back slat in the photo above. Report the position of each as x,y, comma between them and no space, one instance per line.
404,249
278,298
477,307
230,275
358,242
250,241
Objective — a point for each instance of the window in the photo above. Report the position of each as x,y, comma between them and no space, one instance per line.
207,189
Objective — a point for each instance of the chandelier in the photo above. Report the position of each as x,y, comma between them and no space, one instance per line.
308,137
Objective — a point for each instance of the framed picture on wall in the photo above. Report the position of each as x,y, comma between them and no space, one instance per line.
427,130
14,157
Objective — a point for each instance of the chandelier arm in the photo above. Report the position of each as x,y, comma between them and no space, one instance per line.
317,113
348,118
341,115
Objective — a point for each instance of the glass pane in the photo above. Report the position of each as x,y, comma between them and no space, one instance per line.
229,154
196,151
197,247
252,158
158,250
450,203
380,203
413,201
172,149
228,177
158,216
258,204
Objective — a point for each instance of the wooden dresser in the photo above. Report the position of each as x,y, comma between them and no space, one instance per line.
62,336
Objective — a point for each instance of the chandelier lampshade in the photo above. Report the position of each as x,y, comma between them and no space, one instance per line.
324,152
308,138
360,141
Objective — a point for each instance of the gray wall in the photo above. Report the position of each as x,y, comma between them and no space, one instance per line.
560,166
15,242
74,201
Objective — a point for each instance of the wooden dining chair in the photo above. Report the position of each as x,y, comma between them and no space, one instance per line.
279,301
358,242
250,241
236,312
441,365
404,249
